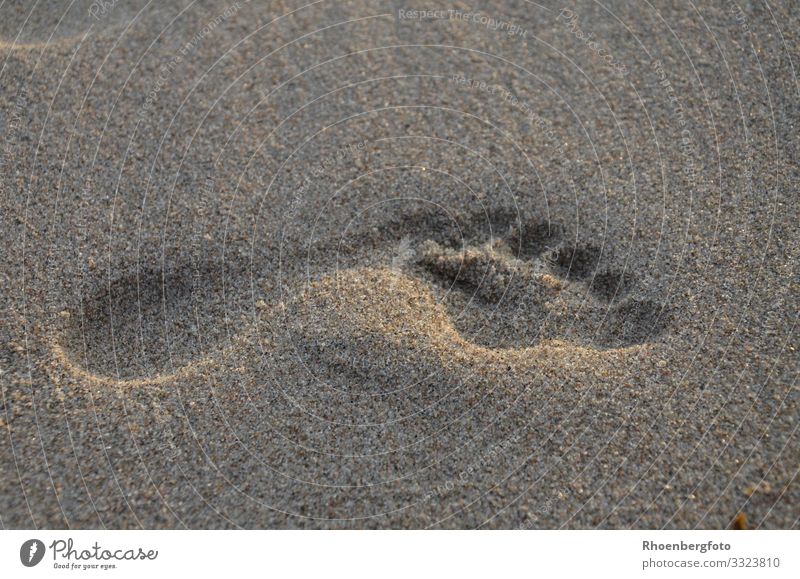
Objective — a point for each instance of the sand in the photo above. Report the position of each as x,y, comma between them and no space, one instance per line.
343,265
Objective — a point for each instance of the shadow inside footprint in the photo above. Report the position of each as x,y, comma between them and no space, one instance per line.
493,299
611,284
151,323
578,261
478,271
632,322
535,238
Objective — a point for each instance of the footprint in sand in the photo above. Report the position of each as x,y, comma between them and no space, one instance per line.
489,288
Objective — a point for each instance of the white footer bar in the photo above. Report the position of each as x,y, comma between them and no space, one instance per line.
352,554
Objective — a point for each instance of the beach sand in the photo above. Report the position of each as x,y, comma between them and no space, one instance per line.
345,265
